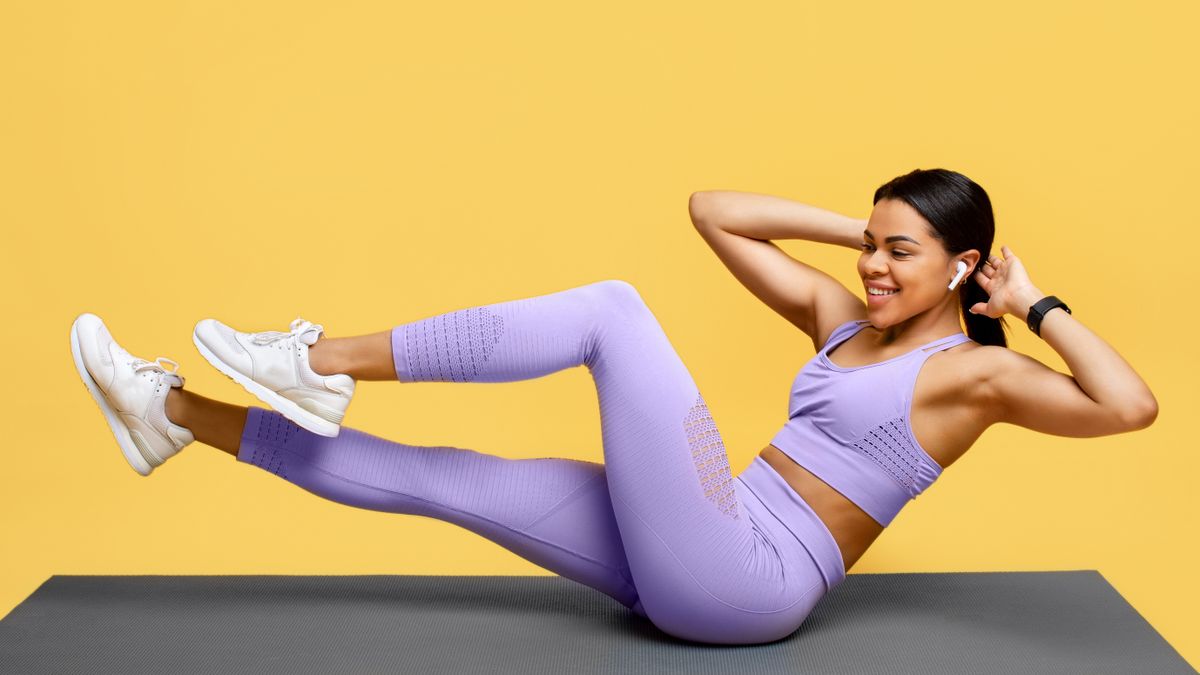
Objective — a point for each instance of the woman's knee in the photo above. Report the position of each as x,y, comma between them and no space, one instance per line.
619,304
618,295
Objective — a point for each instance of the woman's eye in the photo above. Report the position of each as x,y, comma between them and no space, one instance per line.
898,254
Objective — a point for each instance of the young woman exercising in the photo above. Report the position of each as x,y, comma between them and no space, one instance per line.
662,526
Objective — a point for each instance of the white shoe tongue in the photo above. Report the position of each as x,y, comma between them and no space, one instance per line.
172,378
309,337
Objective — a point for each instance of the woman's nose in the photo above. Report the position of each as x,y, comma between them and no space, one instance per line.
876,264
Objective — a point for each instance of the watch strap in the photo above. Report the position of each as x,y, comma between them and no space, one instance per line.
1038,311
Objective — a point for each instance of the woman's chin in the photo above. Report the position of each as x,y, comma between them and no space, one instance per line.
878,317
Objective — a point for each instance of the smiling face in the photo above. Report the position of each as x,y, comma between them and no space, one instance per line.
902,257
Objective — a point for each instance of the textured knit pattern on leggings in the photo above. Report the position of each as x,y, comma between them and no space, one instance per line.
661,526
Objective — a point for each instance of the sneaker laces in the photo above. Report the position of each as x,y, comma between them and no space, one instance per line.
298,327
157,366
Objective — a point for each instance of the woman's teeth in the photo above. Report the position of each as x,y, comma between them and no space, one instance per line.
876,291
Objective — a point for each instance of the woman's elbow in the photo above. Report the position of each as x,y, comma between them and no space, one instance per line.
1144,415
700,207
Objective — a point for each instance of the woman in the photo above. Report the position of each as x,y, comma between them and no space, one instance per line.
662,526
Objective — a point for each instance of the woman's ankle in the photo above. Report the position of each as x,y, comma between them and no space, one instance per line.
324,357
212,422
362,357
176,407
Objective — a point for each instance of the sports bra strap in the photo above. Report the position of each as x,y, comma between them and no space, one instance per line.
947,342
835,337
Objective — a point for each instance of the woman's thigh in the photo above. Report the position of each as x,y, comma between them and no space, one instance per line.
708,563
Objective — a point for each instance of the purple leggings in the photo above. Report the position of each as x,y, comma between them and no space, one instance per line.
661,526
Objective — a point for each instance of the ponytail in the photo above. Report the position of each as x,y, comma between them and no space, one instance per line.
980,327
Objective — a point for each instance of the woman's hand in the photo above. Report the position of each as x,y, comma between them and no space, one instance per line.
1008,287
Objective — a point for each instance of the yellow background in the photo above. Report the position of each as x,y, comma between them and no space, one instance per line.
364,164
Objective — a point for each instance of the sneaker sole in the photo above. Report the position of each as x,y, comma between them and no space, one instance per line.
287,408
128,449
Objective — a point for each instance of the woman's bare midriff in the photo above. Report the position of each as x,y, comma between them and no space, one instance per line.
852,529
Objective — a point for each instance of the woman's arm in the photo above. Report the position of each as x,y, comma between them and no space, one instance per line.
1104,396
766,217
737,227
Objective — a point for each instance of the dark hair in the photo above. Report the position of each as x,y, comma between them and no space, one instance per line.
961,215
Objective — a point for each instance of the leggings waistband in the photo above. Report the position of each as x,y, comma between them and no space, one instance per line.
790,509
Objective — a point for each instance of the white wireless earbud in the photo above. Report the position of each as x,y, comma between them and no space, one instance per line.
962,269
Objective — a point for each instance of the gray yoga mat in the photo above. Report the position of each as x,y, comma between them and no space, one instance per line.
962,623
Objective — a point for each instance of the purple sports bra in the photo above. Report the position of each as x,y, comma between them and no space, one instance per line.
850,427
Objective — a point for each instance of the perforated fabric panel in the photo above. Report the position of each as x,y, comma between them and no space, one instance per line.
712,461
273,434
889,446
480,327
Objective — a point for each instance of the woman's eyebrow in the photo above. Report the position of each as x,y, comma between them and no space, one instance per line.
895,237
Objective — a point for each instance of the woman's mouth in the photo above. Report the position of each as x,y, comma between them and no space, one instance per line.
879,296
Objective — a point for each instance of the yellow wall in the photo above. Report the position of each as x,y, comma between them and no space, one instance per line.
367,164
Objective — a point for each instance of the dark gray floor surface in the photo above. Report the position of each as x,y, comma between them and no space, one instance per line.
959,623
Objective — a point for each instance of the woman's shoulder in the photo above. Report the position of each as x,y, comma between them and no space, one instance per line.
973,361
981,359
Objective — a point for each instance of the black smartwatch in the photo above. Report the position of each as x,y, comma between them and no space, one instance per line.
1038,310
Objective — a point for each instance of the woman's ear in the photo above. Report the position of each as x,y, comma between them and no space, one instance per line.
972,258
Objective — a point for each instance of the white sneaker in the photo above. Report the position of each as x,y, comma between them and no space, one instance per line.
131,392
274,367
